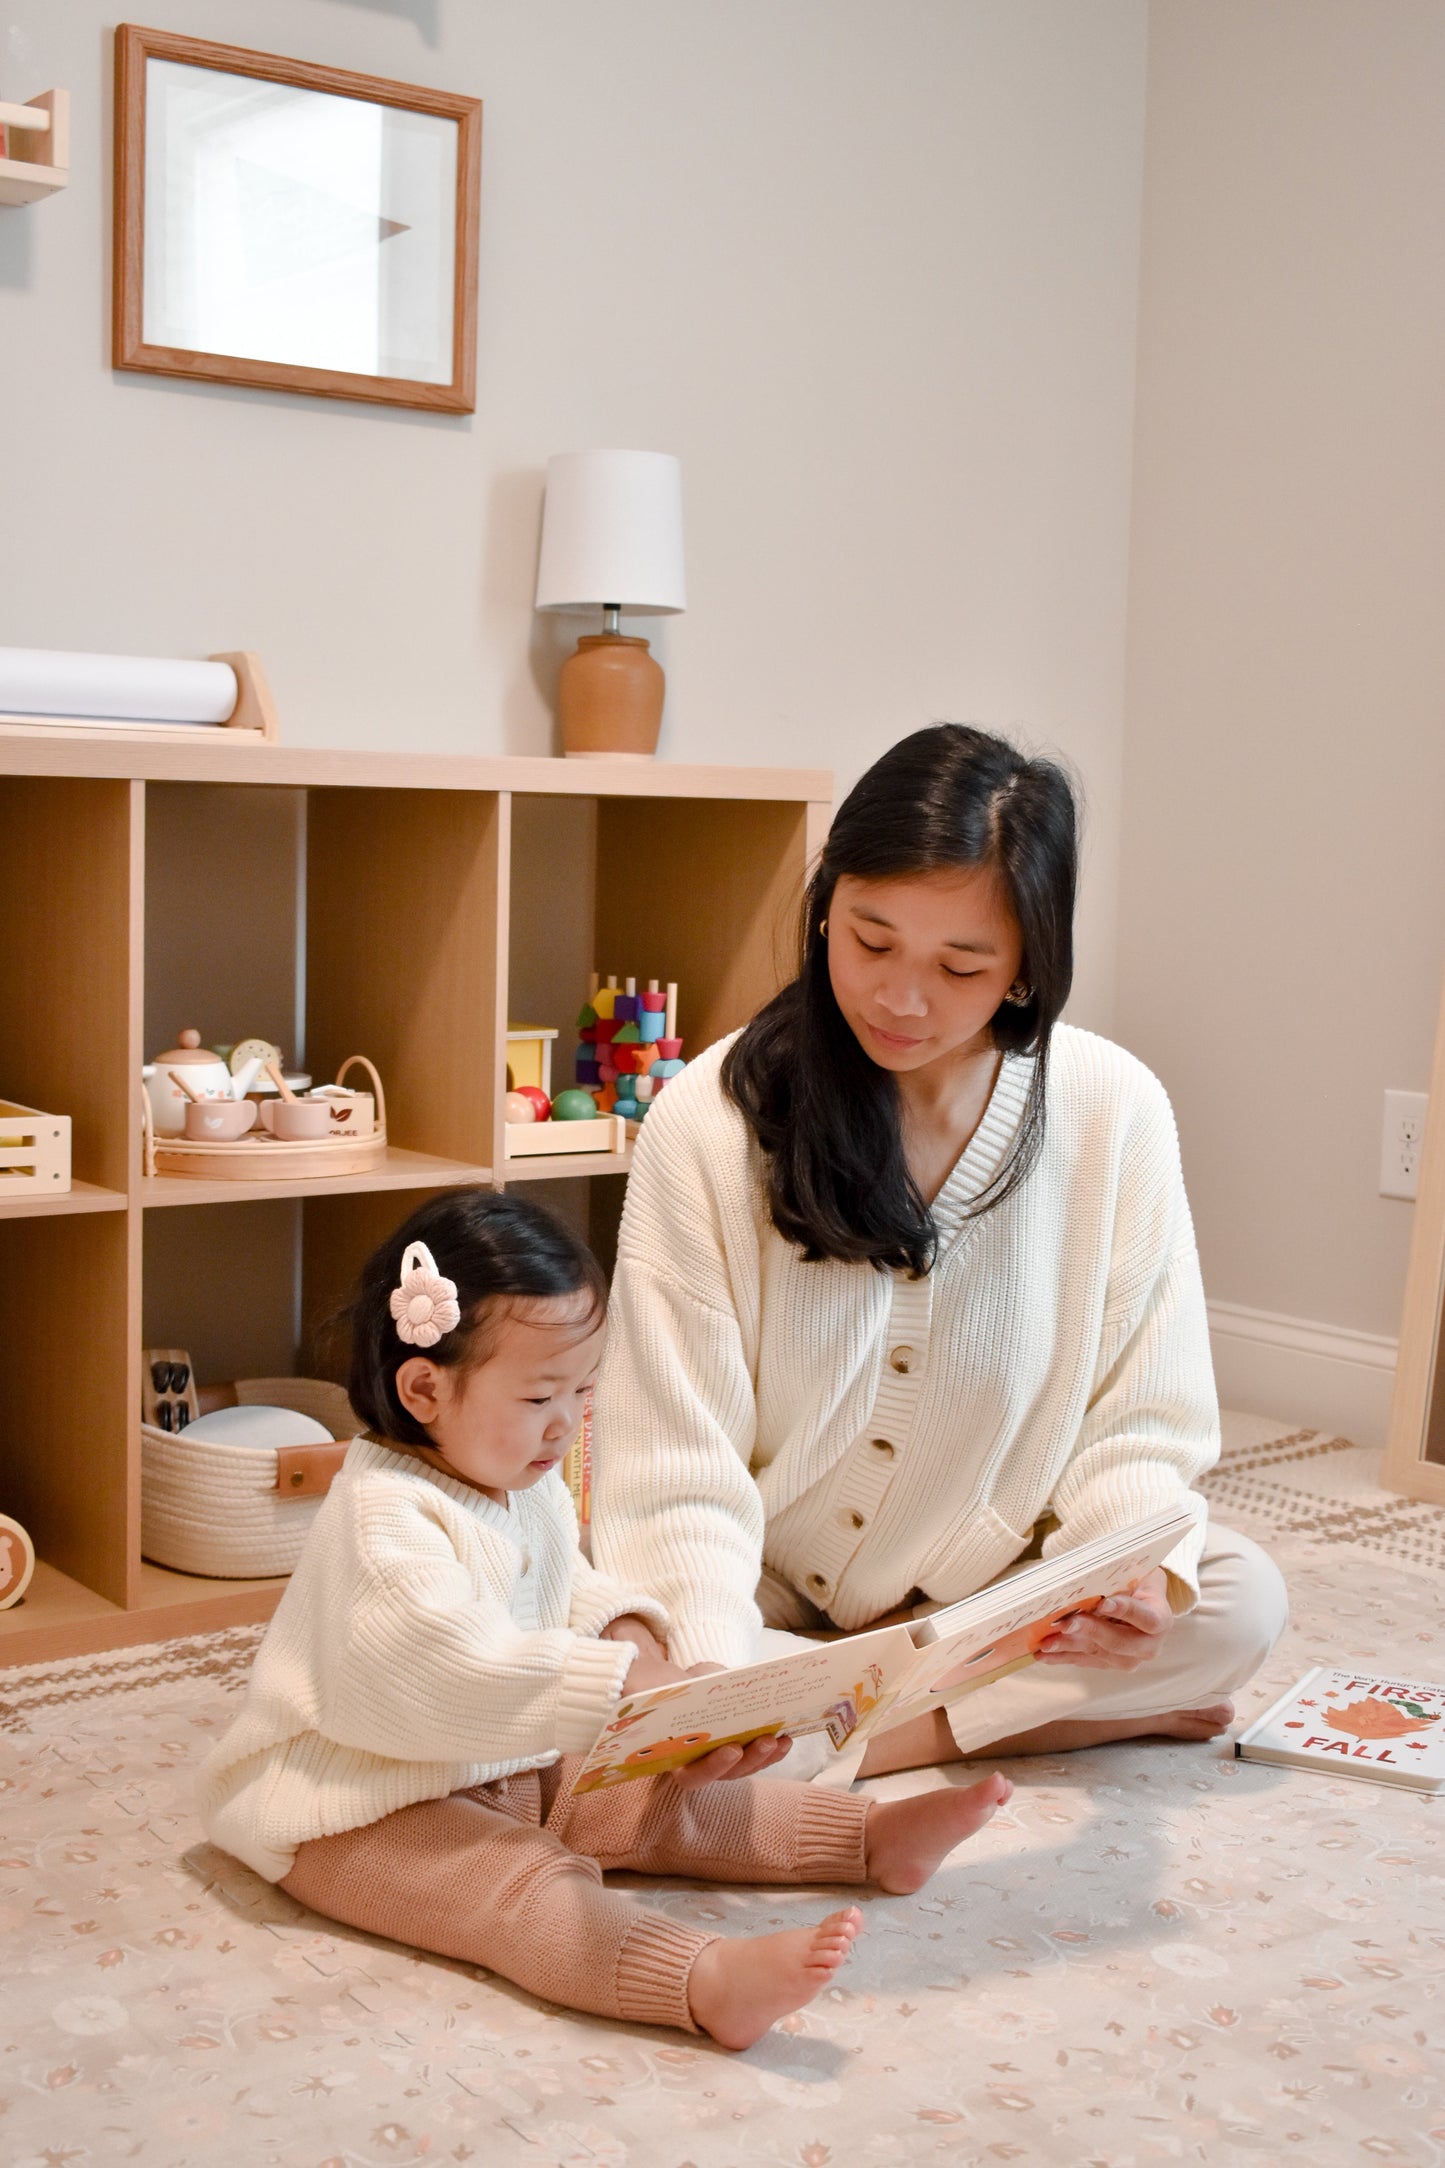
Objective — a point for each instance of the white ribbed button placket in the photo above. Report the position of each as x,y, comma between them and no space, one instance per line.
876,1455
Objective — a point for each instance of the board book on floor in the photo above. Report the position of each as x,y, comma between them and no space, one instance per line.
861,1684
1354,1724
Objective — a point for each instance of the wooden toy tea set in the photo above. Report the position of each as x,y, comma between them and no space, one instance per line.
214,1120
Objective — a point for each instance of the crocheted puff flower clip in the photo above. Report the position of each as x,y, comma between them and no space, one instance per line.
425,1304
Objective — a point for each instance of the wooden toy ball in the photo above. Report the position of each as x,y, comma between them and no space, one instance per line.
519,1107
17,1561
540,1102
574,1105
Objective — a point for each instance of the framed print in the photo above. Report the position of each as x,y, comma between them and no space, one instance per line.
293,227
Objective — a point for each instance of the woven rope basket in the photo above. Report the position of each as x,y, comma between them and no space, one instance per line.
214,1509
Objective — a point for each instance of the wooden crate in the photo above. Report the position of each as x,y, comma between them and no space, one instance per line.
34,1152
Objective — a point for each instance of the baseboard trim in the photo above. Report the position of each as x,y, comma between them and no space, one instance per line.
1325,1377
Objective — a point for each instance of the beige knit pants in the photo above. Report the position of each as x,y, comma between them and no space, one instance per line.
509,1876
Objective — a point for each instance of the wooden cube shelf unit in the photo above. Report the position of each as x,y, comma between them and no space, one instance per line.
410,876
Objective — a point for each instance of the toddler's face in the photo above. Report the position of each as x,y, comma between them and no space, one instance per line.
506,1423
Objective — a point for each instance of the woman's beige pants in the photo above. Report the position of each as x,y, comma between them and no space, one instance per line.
509,1876
1207,1655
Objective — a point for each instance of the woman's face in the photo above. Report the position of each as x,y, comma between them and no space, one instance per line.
920,964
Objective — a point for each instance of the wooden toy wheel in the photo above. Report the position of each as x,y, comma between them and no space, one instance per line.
17,1561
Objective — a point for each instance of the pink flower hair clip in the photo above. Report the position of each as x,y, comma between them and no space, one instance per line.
425,1304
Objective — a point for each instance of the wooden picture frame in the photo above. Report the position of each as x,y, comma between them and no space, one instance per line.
1415,1443
328,236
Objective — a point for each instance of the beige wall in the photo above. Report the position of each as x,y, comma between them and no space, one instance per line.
870,270
1283,869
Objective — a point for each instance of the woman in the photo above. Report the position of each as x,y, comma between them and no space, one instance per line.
907,1291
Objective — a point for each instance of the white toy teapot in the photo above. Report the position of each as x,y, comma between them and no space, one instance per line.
206,1077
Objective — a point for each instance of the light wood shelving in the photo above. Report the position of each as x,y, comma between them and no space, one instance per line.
42,128
431,897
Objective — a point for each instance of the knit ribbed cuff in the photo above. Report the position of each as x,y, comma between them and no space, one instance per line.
594,1607
830,1836
715,1634
653,1965
591,1686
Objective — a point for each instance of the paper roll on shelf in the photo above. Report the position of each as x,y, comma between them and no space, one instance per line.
51,688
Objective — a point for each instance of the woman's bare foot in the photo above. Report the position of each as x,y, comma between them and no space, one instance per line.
736,1990
1065,1737
908,1839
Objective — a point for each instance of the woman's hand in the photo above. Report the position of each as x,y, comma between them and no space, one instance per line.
1119,1633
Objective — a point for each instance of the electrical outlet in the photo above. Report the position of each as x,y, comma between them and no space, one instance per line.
1400,1143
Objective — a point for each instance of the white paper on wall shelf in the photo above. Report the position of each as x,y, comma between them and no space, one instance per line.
43,681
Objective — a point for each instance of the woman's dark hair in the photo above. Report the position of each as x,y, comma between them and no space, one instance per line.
499,1250
826,1115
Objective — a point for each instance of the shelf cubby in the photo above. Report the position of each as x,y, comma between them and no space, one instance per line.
337,903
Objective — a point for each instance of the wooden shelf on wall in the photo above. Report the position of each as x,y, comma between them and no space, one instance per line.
400,1170
43,126
80,1197
413,900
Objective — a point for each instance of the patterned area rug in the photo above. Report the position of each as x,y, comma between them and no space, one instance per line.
1156,1955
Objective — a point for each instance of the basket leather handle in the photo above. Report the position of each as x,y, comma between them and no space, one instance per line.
305,1471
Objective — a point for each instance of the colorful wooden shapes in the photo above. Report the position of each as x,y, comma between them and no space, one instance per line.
603,1003
652,1003
588,1072
627,1033
518,1107
629,1109
650,1023
586,1016
625,1008
606,1029
644,1088
669,1048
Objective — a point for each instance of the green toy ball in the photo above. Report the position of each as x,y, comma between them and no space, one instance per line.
574,1106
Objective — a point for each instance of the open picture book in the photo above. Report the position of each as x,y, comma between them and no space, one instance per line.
860,1684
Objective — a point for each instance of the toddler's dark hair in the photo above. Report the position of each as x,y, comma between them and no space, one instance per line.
500,1250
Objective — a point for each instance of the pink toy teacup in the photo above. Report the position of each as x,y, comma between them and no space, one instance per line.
296,1121
219,1121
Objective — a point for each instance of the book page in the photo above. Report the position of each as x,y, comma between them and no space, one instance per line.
830,1688
1008,1634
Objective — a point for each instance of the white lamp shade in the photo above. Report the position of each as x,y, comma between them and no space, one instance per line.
612,533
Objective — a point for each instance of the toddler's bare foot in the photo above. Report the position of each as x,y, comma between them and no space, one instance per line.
736,1990
1067,1736
907,1839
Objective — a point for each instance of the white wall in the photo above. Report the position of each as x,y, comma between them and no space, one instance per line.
869,269
1283,873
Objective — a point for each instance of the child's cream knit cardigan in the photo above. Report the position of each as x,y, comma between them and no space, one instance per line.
428,1640
895,1434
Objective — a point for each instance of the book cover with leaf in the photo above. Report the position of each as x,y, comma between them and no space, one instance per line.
1354,1724
857,1684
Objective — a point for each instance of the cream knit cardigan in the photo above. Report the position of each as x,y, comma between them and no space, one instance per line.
428,1640
864,1434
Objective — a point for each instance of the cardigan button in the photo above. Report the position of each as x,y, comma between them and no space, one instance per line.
850,1518
817,1581
526,1561
882,1448
901,1360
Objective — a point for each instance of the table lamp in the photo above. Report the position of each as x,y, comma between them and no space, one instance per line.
611,540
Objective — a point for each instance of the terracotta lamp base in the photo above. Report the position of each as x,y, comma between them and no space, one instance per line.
609,698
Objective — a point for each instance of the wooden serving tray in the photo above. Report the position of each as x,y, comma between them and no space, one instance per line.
260,1157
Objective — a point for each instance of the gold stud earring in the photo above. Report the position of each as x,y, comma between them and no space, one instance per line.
1019,996
823,928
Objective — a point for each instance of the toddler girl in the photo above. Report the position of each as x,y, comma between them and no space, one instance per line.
440,1660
